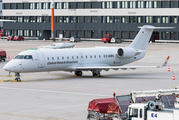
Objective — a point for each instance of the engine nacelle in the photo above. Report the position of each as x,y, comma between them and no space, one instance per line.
126,52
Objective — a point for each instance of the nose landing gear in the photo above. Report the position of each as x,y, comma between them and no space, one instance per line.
96,73
78,73
17,79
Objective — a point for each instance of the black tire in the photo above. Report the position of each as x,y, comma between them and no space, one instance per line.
4,60
104,42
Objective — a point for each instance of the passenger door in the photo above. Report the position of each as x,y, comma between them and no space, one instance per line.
41,59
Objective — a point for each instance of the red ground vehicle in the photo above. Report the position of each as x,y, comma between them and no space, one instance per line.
10,37
106,38
1,33
2,55
19,37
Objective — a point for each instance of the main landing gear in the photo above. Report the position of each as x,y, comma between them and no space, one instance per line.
96,73
78,73
17,79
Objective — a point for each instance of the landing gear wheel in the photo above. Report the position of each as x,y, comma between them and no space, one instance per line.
78,73
96,74
17,79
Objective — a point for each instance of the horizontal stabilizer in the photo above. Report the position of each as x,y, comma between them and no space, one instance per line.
152,27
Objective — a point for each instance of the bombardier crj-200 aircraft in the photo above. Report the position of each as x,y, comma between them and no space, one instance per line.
83,59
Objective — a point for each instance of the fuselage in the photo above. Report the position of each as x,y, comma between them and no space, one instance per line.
41,60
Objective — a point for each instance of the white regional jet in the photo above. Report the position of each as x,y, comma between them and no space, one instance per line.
83,59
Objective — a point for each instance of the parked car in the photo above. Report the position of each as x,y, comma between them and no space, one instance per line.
19,37
10,37
74,39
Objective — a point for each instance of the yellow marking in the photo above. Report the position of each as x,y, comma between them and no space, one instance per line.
75,75
30,116
15,80
7,75
95,76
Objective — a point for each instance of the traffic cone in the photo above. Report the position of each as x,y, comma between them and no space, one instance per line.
8,57
173,78
168,68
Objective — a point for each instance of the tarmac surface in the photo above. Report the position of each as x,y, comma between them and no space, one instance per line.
62,96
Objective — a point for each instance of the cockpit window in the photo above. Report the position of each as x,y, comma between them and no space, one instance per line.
28,57
19,57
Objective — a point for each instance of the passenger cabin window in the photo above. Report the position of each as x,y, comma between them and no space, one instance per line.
28,57
47,58
86,56
67,57
99,56
72,57
90,56
94,56
77,57
62,57
52,58
19,57
57,58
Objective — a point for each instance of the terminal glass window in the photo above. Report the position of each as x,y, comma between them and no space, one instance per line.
39,19
87,34
58,32
103,5
19,32
44,5
165,19
13,18
59,5
132,19
94,34
156,4
103,19
173,35
59,19
19,5
6,6
140,19
94,4
124,4
45,19
116,4
26,5
72,5
66,33
32,19
117,34
73,19
116,19
164,4
39,33
87,19
124,19
140,4
87,5
80,33
26,19
109,19
109,5
165,35
7,32
80,19
94,19
19,19
14,32
173,4
73,33
32,32
124,34
173,19
148,19
148,4
132,4
12,6
80,5
132,34
66,19
65,5
32,5
156,19
26,32
39,6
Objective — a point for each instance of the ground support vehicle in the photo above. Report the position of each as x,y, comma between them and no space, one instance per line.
106,38
141,105
2,55
116,40
10,37
74,39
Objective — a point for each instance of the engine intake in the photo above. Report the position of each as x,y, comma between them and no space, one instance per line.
127,52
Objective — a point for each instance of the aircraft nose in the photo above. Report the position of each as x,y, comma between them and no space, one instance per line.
7,67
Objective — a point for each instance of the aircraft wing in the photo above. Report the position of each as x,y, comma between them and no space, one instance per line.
106,68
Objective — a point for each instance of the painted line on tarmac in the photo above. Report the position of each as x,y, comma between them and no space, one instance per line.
49,91
30,116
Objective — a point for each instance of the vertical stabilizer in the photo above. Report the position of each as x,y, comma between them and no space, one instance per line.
144,35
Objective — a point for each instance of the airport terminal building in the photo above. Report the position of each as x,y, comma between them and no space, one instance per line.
91,18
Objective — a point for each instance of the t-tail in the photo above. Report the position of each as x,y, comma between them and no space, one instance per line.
141,40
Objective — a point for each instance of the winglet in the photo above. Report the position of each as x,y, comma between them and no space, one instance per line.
166,61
